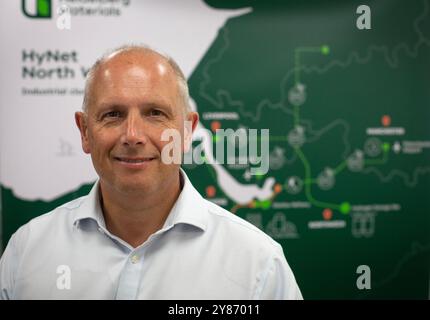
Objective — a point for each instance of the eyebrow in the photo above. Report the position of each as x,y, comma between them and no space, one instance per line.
104,106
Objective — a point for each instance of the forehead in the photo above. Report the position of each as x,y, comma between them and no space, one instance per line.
145,76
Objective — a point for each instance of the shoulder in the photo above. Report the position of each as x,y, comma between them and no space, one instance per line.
49,222
59,214
250,257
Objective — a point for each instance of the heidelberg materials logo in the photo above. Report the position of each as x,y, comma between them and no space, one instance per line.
40,9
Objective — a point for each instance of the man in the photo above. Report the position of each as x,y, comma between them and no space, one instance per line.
143,232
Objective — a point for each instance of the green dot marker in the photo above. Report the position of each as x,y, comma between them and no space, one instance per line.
215,138
345,207
259,175
325,50
386,146
266,204
204,159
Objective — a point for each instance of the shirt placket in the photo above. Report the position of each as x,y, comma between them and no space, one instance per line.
130,277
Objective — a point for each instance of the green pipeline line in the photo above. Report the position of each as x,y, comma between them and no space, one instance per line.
297,53
278,138
310,181
377,161
384,159
271,138
340,167
308,185
296,116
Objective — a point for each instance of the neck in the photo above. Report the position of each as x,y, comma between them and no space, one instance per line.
134,217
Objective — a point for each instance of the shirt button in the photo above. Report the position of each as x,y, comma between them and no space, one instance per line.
135,259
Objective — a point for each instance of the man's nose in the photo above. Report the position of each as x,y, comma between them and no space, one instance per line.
134,131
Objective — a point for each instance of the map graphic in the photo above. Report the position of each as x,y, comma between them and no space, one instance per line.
348,114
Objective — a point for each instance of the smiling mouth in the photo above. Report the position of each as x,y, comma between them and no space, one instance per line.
134,160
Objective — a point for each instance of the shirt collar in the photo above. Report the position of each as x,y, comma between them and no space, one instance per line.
190,207
90,208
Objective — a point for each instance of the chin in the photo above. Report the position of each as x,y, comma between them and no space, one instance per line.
134,186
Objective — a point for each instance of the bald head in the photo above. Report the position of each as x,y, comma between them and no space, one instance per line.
127,56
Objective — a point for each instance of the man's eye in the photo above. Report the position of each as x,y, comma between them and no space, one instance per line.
112,114
156,113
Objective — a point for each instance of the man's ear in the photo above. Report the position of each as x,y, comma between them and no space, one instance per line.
191,123
81,123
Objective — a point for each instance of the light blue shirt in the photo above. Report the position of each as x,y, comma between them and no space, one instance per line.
201,252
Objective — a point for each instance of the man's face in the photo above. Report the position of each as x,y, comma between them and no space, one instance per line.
134,99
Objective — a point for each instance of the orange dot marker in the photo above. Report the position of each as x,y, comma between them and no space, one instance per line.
277,188
327,214
210,191
386,120
215,125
